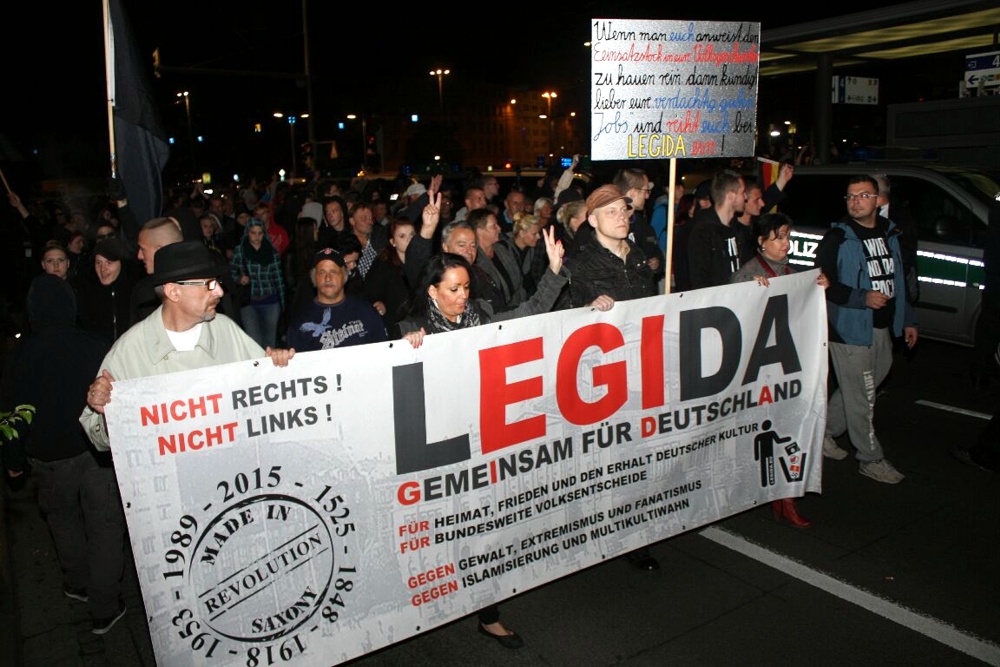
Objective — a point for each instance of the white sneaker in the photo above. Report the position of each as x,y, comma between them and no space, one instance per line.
880,471
832,450
103,625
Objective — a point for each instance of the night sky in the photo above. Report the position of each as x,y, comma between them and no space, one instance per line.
54,68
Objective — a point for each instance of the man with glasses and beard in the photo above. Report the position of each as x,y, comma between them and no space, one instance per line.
867,304
184,333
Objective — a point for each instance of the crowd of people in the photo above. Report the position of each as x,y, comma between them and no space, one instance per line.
327,265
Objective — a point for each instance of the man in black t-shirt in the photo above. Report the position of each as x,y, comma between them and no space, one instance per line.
867,304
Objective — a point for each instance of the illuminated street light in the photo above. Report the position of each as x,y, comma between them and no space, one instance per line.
440,74
364,139
549,96
291,130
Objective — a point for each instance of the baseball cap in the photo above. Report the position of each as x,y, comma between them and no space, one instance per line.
328,254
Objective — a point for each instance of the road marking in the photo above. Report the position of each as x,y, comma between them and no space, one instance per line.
928,626
951,408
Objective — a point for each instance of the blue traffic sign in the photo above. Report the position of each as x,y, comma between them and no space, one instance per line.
981,61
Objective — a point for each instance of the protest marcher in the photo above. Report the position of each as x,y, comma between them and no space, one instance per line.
184,333
333,318
50,369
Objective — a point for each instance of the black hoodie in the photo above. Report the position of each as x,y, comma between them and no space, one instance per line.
51,368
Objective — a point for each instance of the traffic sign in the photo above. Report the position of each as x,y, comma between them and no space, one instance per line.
982,69
854,90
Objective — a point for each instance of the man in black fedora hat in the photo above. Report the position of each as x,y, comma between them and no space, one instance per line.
184,333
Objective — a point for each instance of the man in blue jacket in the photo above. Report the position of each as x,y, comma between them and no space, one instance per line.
866,305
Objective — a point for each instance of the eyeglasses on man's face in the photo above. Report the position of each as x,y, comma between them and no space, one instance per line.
210,285
863,196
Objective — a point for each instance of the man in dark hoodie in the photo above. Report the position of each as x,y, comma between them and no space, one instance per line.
104,290
51,369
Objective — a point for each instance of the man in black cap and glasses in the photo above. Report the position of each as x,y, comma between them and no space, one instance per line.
184,333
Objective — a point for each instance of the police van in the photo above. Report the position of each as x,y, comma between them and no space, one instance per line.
950,206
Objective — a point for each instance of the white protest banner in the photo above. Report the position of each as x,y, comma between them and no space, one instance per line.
310,514
673,89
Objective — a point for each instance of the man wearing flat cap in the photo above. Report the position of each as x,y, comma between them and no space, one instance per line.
608,262
333,318
184,333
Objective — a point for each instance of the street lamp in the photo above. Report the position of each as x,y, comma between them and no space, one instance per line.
549,96
291,129
440,73
364,139
187,108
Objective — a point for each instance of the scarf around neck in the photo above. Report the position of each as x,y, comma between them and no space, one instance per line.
439,323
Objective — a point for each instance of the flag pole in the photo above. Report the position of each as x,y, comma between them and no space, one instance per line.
670,228
109,67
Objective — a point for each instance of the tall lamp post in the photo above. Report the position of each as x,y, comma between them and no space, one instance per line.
186,96
549,96
440,74
364,139
291,131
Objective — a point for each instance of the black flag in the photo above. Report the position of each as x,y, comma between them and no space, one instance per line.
140,142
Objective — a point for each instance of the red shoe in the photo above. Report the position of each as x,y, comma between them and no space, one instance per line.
790,513
786,510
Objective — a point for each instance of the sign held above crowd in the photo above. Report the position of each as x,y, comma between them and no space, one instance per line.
673,89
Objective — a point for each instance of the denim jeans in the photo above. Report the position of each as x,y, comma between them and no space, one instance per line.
260,321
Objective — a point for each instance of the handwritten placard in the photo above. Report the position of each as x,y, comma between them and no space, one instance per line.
673,89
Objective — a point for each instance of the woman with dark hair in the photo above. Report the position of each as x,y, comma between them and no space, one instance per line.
772,232
256,267
386,286
298,262
443,302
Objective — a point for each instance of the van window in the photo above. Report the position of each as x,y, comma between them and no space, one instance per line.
816,200
939,216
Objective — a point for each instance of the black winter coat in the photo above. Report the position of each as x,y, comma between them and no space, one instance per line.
595,270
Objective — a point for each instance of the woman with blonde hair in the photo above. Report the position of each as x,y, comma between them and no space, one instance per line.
571,217
522,244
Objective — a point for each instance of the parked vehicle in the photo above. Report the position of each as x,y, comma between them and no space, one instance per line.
950,206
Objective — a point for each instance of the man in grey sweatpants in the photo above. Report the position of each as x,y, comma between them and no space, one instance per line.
866,305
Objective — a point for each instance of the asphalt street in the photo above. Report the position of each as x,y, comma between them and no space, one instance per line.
901,574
